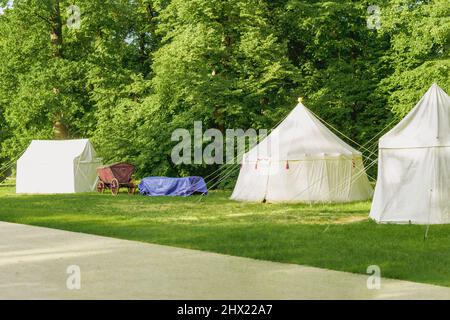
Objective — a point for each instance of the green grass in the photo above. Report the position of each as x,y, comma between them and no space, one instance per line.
334,236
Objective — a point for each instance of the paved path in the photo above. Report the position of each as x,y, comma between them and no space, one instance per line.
34,261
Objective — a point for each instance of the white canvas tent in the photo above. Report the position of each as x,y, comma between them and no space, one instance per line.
50,167
302,161
414,165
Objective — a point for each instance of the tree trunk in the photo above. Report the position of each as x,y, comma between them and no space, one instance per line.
56,37
59,131
56,30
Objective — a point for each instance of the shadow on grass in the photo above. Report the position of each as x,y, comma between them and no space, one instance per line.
333,236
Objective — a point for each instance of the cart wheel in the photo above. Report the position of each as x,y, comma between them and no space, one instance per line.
132,188
115,187
100,187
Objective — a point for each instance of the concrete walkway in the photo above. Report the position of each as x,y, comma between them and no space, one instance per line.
34,262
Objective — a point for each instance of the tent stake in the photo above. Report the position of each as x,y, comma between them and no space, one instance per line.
426,233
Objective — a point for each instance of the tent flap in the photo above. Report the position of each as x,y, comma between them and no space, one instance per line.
414,165
57,167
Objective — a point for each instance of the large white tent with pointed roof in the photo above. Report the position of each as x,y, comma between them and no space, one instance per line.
61,166
302,161
414,165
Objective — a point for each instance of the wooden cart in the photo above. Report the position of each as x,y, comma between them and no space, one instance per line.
116,176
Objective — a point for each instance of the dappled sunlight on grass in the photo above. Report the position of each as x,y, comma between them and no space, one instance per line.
215,208
335,236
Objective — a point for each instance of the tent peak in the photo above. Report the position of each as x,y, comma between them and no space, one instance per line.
426,125
437,87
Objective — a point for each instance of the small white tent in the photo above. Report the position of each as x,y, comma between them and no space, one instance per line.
62,166
414,165
302,161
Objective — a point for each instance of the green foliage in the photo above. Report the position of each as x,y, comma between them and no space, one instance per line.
221,63
137,70
340,63
419,54
76,81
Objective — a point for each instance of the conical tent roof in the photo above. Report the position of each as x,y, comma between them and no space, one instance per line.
302,161
427,125
300,135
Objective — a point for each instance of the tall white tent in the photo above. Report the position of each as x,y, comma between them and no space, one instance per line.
62,166
414,165
302,161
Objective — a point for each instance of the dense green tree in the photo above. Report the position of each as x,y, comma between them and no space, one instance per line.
59,81
419,54
339,60
134,71
119,85
220,63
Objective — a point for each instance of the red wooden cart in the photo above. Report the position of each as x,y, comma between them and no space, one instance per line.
116,176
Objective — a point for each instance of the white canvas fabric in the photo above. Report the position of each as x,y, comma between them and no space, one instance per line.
302,161
414,165
55,167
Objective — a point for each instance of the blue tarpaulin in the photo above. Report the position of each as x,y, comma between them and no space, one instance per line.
162,186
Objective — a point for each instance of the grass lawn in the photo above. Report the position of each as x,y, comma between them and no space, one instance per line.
334,236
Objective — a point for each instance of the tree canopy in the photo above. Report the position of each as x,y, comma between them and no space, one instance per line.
127,73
